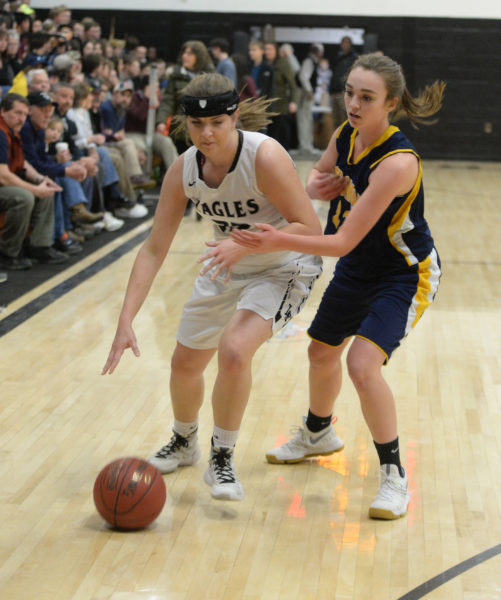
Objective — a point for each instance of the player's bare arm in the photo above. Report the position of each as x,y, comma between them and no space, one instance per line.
278,179
150,257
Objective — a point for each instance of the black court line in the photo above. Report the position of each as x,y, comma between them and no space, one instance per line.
432,584
35,306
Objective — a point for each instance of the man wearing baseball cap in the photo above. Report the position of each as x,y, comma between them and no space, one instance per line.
67,174
113,122
124,86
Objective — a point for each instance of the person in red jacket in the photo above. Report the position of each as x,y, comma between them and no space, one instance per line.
26,197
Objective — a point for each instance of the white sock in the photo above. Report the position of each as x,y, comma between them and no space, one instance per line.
224,438
185,429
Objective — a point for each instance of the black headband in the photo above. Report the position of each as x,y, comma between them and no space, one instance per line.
210,106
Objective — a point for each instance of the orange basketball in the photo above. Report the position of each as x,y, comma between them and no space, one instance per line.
129,493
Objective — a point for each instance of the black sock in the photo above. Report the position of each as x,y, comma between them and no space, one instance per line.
315,423
389,454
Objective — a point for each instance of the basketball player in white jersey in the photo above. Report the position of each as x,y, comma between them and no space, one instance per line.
235,178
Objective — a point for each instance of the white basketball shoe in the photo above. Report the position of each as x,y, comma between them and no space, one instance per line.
304,444
179,452
393,495
222,477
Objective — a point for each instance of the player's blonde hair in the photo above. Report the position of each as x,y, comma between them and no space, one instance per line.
416,109
253,113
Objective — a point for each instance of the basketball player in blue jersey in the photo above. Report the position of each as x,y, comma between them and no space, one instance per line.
387,274
235,178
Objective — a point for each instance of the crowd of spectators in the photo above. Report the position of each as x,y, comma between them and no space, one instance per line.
73,117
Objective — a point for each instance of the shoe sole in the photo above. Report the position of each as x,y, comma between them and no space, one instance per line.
122,217
384,514
273,460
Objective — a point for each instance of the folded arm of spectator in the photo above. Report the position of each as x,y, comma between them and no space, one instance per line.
90,164
42,187
38,179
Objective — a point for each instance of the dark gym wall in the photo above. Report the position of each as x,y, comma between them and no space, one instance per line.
466,53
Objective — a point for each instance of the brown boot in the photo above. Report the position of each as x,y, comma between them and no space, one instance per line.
80,214
73,235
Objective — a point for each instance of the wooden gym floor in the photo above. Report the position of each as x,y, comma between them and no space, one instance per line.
302,531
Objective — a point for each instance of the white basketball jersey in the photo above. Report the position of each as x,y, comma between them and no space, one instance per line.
237,203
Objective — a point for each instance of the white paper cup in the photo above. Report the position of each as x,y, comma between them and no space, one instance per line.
61,147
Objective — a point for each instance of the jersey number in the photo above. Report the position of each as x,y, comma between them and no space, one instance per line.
225,227
339,218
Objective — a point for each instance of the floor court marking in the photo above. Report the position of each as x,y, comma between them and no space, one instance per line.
430,585
35,306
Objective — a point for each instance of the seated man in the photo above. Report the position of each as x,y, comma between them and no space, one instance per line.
68,175
113,127
136,119
63,98
92,144
26,197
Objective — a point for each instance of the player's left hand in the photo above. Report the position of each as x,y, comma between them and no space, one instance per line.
224,254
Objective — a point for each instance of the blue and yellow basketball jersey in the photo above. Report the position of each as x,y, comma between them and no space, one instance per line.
401,238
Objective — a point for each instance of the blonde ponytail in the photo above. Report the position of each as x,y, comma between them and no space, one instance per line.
425,104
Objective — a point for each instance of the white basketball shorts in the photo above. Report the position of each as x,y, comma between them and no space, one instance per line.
277,294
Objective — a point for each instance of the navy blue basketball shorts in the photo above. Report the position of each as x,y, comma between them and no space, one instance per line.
382,311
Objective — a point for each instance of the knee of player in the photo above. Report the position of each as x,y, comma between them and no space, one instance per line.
232,357
360,371
181,365
320,354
